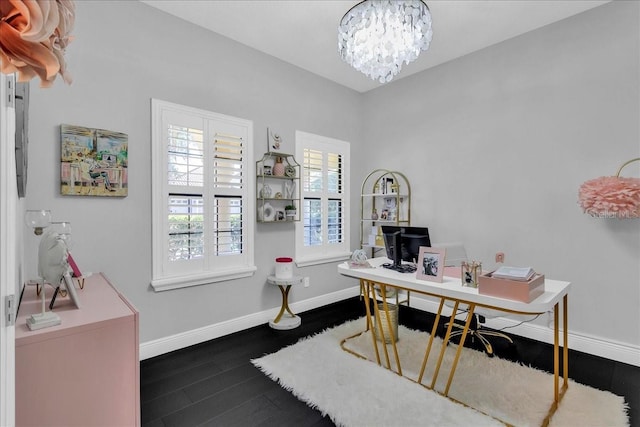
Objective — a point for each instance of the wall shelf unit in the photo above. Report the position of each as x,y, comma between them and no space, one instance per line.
385,200
277,187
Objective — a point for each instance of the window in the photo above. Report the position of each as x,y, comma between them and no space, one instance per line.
202,226
322,235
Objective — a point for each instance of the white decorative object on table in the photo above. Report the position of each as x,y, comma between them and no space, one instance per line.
284,268
52,266
359,256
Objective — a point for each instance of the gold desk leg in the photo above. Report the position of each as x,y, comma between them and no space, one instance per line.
434,329
565,339
376,312
383,290
367,287
284,290
444,346
558,393
463,337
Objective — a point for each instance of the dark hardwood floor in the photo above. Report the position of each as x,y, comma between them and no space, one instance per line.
215,384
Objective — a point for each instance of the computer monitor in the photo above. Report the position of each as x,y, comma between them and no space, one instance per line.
408,239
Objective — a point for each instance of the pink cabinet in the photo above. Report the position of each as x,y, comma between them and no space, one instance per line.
85,371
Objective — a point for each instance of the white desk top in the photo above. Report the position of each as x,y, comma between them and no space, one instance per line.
452,288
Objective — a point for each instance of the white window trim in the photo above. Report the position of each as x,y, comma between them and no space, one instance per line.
162,281
326,253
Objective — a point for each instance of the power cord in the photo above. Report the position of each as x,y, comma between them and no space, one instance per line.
521,323
506,327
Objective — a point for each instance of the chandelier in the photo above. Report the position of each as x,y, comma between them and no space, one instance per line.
377,36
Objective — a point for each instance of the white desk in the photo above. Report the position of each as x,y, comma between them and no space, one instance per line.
452,289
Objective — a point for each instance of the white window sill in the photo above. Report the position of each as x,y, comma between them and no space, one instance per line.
177,282
322,259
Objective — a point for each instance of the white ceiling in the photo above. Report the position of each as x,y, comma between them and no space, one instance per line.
304,32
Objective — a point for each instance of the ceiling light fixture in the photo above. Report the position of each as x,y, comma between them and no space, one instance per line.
377,36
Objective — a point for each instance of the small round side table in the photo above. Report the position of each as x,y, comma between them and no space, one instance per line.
284,320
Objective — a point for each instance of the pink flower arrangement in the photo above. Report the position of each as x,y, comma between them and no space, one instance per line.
33,37
611,196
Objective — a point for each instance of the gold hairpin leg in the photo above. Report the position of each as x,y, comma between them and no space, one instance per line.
376,311
434,329
368,290
444,347
463,337
383,289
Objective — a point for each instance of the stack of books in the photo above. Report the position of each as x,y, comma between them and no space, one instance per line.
521,274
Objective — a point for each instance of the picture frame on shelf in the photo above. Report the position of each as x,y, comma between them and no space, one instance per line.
430,264
389,186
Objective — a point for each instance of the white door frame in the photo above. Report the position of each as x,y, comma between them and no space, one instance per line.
9,256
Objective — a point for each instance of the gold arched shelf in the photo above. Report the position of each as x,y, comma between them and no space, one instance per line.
385,199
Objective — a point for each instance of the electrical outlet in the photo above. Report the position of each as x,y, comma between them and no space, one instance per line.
500,257
306,282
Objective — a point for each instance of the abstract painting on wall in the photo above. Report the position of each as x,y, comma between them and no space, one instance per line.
93,162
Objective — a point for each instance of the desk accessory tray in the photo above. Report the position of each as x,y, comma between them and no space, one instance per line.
511,289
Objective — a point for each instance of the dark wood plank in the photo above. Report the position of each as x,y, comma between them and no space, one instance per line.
215,384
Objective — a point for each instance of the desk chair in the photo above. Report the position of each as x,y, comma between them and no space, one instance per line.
454,256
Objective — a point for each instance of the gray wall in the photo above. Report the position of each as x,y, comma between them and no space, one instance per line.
124,54
497,143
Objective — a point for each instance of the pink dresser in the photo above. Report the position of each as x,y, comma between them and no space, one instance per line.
85,371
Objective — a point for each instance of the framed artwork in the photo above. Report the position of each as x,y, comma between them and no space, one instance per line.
430,264
93,162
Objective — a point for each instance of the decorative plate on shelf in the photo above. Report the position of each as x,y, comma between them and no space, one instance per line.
290,171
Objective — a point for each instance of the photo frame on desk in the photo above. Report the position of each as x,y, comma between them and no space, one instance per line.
75,271
430,264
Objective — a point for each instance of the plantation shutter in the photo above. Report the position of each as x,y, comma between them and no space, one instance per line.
185,176
228,182
322,235
202,229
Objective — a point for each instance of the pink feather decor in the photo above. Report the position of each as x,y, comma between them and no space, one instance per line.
611,196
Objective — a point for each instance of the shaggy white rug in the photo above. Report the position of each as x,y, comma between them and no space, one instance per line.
357,392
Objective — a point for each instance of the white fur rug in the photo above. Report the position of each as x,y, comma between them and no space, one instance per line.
357,392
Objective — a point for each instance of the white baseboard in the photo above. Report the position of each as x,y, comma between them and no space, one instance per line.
596,346
185,339
620,352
